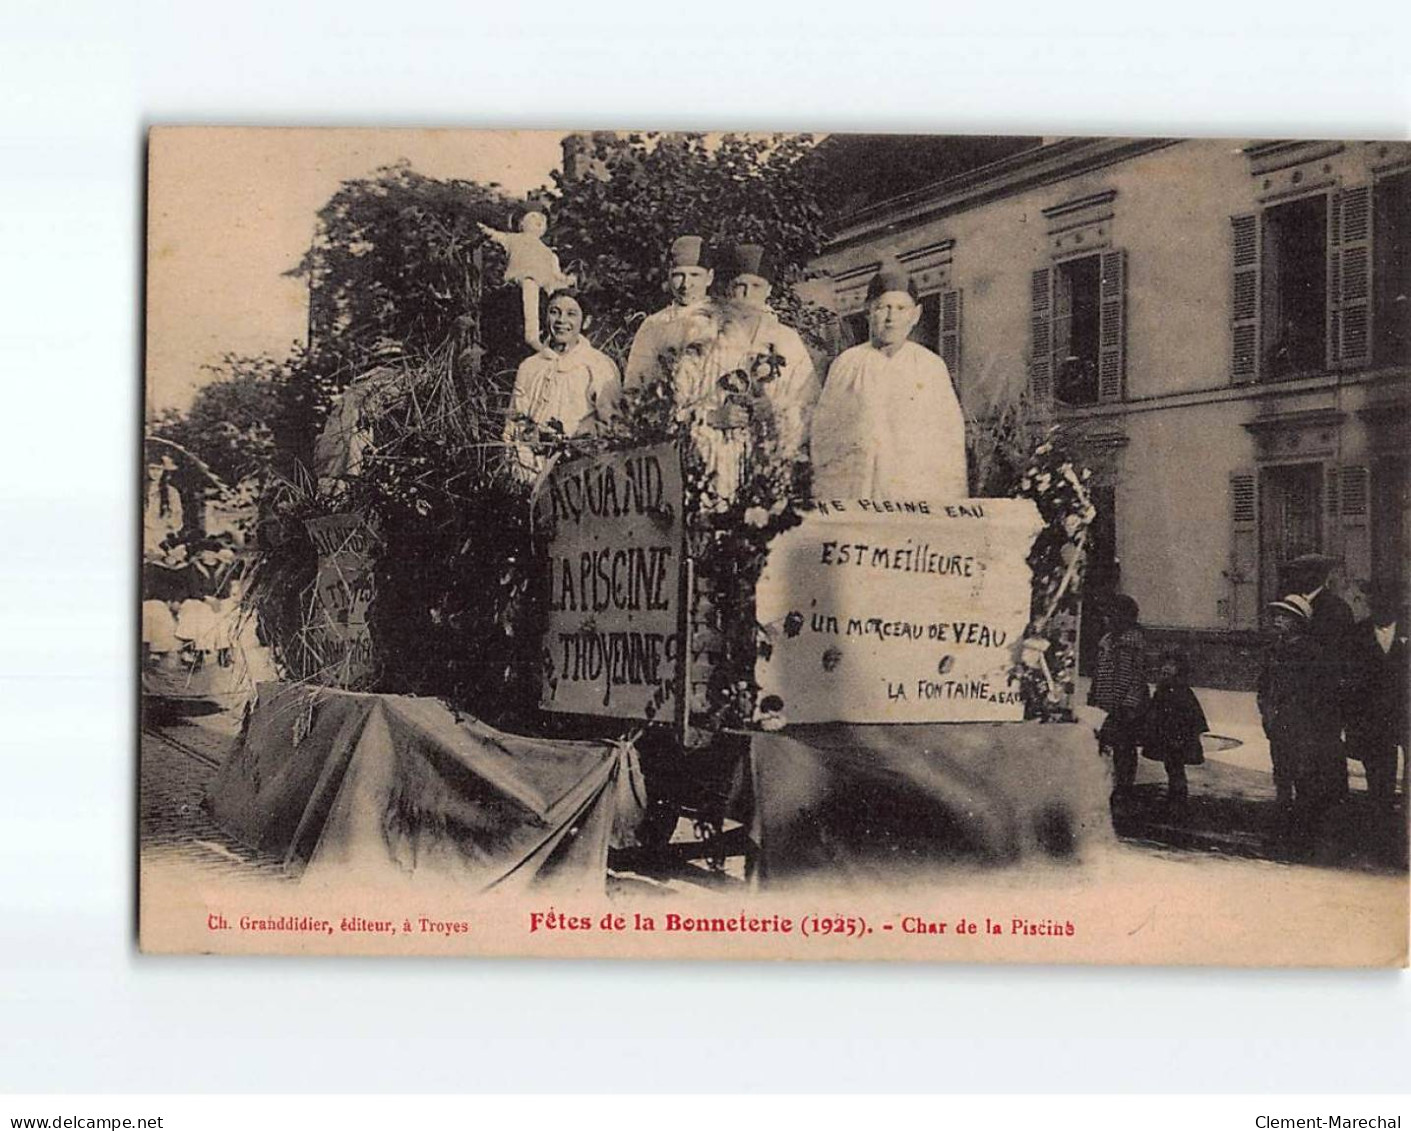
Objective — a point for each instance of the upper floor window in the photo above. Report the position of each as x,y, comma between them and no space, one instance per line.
1076,327
1077,339
1391,229
1295,288
1322,282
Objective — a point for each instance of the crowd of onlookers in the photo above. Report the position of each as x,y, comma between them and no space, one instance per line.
1331,688
190,607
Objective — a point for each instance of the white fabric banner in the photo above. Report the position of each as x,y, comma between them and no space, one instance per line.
879,611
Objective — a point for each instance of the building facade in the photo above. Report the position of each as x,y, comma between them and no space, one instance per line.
1223,326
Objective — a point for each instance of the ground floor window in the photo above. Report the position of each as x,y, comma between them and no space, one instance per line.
1290,521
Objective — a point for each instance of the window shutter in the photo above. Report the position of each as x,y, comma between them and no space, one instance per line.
1243,573
951,302
1112,331
1350,278
1244,308
1041,336
1354,496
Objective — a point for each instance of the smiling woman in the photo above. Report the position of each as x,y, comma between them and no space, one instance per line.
567,391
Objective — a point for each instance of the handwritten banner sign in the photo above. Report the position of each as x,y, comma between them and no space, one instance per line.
612,646
884,611
343,594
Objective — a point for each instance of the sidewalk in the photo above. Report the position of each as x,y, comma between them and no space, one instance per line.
1232,808
1232,715
210,737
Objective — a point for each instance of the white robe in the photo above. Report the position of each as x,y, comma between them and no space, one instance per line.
159,627
657,334
888,428
722,337
578,388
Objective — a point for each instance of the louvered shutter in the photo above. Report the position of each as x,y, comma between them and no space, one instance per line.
1354,498
1350,278
951,302
1112,327
1041,336
1243,573
1244,308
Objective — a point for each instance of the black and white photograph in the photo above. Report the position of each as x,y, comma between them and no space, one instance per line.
730,564
862,546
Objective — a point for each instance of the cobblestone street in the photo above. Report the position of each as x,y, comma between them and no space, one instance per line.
179,760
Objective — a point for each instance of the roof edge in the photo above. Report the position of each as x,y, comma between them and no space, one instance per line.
1005,177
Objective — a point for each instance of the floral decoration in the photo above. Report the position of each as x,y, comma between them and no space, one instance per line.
1048,662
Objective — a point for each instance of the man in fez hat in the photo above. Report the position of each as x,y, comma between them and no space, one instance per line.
888,425
689,277
772,352
736,365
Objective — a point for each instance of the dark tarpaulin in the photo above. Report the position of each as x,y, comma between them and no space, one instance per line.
379,784
877,803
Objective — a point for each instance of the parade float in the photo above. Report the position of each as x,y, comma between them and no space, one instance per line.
627,666
813,685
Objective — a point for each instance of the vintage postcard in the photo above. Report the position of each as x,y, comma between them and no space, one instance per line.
646,545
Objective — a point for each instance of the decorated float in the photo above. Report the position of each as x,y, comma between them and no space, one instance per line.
663,655
808,686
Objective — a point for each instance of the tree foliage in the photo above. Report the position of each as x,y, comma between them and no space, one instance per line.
398,258
230,425
613,225
394,259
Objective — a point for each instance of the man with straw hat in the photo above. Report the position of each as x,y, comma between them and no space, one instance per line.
888,425
1318,579
1295,700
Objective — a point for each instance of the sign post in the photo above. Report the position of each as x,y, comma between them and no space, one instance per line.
613,643
898,611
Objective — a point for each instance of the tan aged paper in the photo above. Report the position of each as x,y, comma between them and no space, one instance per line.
489,608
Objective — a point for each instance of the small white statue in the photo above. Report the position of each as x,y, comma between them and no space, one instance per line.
535,267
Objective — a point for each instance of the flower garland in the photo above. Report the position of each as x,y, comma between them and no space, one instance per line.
733,512
1048,663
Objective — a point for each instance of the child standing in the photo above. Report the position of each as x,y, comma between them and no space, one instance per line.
1120,689
1174,724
